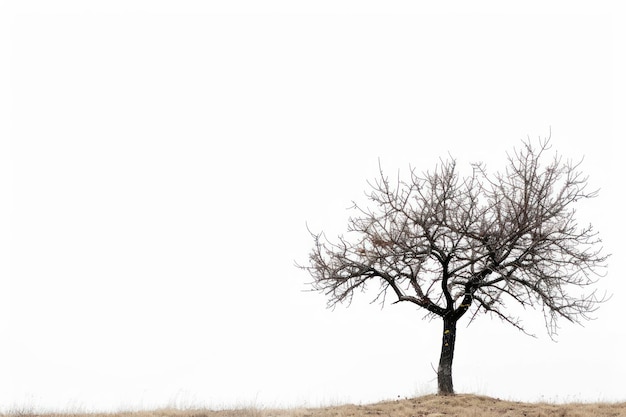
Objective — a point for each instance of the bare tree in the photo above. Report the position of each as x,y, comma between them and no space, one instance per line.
454,245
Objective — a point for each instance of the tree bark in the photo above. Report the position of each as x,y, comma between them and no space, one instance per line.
444,373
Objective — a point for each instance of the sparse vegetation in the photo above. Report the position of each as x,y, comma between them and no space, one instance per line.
427,406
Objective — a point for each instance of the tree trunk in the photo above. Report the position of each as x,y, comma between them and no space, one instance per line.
444,373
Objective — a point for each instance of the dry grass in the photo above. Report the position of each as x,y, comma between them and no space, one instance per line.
427,406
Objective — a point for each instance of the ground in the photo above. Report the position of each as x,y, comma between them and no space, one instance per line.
464,405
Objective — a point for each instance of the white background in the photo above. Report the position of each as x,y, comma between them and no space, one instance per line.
159,163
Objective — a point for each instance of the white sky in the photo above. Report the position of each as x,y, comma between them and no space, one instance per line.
159,161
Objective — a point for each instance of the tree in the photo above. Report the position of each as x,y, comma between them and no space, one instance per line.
460,246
